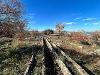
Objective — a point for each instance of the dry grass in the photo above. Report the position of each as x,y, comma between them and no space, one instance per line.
85,54
14,56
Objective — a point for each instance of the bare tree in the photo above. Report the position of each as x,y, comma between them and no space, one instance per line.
10,18
11,8
96,36
59,28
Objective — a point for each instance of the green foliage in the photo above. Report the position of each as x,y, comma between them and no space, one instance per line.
84,42
48,31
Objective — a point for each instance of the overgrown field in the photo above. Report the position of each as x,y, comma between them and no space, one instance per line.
14,57
87,55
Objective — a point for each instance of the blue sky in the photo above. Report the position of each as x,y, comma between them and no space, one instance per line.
75,14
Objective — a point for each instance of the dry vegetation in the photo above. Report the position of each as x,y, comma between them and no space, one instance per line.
15,45
84,49
18,44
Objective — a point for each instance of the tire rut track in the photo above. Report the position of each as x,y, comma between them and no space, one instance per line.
51,60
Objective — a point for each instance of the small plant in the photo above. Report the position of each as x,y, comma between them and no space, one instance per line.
84,42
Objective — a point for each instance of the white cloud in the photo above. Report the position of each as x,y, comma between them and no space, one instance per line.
86,23
78,18
89,19
92,23
69,23
96,23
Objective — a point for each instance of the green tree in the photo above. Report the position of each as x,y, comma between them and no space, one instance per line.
48,31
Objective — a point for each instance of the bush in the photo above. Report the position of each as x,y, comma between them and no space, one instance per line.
85,42
48,31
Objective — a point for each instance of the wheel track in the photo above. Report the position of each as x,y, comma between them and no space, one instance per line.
56,62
